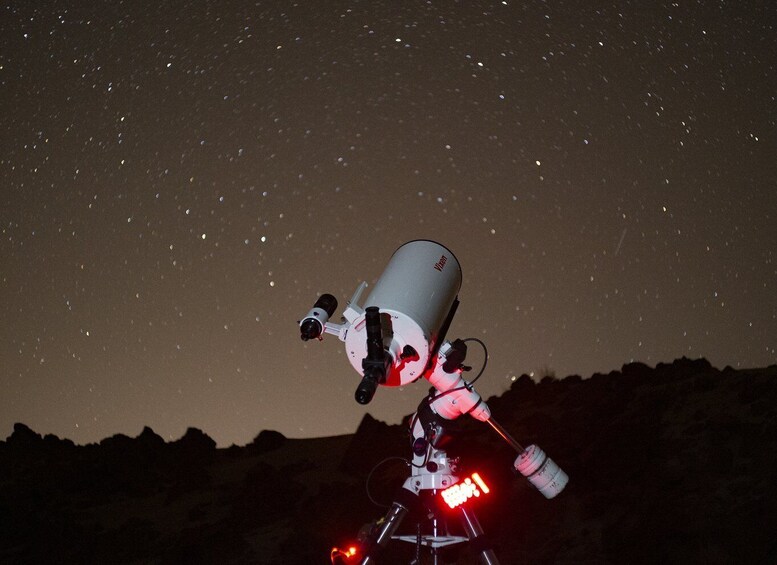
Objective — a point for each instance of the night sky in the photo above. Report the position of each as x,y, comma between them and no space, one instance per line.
181,181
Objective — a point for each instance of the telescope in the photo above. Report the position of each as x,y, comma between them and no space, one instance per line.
398,336
415,298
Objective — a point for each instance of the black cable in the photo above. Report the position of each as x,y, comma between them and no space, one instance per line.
412,426
426,460
485,360
369,476
467,385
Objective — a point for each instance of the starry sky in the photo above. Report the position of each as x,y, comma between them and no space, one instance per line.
182,179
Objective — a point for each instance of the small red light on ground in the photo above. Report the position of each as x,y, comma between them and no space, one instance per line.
464,490
344,555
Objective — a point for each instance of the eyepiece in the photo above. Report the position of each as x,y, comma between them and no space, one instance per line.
366,389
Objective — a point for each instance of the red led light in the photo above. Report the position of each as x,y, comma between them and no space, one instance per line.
472,486
344,555
481,483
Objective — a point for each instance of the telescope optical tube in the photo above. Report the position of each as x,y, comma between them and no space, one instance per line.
377,362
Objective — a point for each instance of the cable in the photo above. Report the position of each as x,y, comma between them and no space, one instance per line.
485,360
426,433
467,385
369,476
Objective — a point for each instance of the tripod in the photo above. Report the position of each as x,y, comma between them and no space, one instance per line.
432,472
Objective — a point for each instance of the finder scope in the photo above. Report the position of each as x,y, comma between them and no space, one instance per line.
312,325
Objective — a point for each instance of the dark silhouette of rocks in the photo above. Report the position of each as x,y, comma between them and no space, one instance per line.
195,440
672,464
151,440
23,437
267,440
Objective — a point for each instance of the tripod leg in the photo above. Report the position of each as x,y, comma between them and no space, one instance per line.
477,538
379,539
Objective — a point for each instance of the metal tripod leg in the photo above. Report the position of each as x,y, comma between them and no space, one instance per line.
477,538
390,524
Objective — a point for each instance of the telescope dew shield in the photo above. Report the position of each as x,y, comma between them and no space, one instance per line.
415,292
